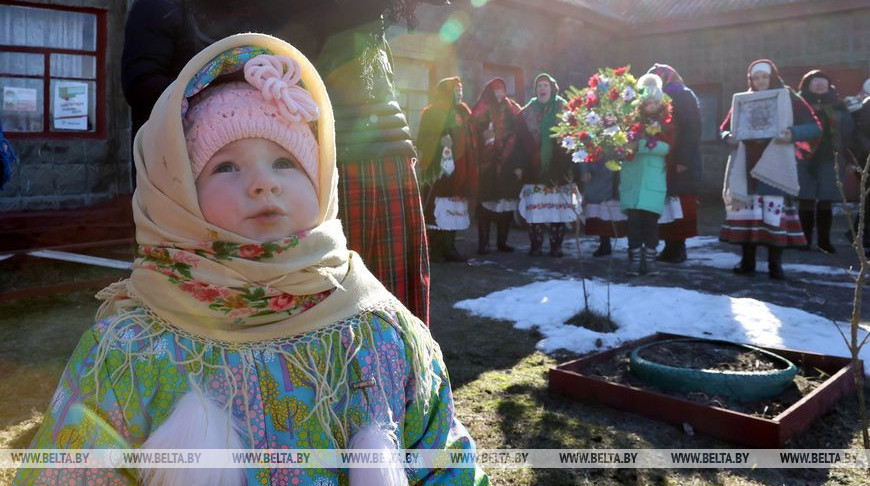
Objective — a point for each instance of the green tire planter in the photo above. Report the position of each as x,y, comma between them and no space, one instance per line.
743,386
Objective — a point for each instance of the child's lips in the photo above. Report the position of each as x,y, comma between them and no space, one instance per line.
268,215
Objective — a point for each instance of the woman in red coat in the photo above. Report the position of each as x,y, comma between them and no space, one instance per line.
447,144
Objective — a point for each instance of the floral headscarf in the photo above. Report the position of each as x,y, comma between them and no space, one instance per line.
213,283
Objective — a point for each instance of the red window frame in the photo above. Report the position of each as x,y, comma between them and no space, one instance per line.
100,130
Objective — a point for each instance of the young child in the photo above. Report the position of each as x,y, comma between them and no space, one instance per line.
642,182
246,322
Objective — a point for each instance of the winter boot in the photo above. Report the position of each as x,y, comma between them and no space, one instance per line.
648,263
483,226
604,247
451,254
536,239
667,253
557,235
747,261
502,227
808,220
634,255
774,263
825,219
674,252
436,245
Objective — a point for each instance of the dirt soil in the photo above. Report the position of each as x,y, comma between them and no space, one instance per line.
705,355
617,370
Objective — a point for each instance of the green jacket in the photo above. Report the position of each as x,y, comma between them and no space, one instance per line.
643,181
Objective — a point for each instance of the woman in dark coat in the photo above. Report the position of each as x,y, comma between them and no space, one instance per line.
759,207
448,144
549,195
495,116
818,176
684,163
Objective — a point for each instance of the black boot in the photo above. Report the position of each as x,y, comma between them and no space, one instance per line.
503,226
436,245
808,220
674,252
483,226
774,263
604,247
667,252
557,235
451,254
825,219
536,239
747,260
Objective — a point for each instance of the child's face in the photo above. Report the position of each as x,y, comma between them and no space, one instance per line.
255,188
650,106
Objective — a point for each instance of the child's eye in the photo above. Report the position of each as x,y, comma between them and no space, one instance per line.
284,164
225,167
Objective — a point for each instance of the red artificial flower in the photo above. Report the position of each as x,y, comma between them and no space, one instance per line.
593,81
629,156
591,101
614,94
620,71
575,103
583,135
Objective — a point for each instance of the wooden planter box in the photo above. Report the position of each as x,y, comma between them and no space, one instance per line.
736,427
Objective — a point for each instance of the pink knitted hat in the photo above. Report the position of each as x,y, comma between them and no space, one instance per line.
269,105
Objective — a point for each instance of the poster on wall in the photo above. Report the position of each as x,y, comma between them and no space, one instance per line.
70,105
19,99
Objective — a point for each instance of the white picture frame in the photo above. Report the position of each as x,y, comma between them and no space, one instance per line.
755,115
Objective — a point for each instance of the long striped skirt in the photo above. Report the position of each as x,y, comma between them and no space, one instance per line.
767,220
382,216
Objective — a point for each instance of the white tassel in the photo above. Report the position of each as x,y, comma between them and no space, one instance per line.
195,423
374,437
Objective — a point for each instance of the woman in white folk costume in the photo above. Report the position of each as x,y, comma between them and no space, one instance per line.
246,322
549,196
761,179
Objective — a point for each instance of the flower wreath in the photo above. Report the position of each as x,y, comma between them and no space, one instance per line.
603,120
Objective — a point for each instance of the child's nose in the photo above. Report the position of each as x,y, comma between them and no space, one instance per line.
265,183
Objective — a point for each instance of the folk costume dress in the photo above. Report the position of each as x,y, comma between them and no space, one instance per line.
294,340
498,186
759,200
448,174
549,196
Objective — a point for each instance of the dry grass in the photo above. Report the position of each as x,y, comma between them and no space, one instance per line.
499,380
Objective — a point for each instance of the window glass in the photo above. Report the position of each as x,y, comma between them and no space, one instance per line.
22,63
73,66
21,104
710,118
39,27
78,107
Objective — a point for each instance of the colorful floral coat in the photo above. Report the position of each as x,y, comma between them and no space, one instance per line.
132,401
